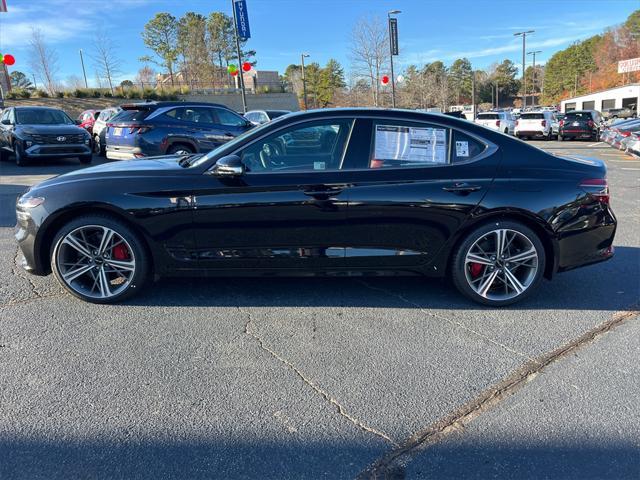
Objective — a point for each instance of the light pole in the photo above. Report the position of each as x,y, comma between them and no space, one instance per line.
533,80
86,85
393,49
304,80
524,48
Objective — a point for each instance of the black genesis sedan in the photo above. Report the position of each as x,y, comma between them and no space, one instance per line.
326,192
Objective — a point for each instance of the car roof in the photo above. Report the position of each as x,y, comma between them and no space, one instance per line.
172,104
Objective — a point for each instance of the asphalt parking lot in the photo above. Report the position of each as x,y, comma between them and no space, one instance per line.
324,378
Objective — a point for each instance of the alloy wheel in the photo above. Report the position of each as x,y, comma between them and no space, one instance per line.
501,264
95,261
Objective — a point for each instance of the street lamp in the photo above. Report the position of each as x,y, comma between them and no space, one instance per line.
304,83
393,51
524,48
533,80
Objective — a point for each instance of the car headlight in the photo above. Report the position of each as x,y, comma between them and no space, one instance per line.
27,203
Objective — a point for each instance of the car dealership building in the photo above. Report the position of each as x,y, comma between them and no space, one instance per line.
627,96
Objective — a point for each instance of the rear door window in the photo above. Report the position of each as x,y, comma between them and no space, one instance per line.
408,144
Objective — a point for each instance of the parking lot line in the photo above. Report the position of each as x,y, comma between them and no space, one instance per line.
630,169
595,144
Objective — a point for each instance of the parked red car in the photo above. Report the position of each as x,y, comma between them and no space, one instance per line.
87,118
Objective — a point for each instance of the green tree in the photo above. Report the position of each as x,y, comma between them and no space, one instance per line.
330,81
160,35
19,80
633,24
460,78
192,45
504,77
126,84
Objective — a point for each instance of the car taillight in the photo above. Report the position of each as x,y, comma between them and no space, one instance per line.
561,123
590,123
497,123
597,188
139,128
625,134
109,124
517,122
544,123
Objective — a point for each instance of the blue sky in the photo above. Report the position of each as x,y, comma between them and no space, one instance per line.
281,29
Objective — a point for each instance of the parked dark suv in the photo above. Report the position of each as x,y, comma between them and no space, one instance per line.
39,132
580,124
159,128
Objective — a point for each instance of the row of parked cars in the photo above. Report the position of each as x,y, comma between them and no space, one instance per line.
623,135
123,132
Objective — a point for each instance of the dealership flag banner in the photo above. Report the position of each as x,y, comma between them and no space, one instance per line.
3,6
242,19
631,65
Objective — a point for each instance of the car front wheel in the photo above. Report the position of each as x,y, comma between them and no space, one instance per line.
499,263
99,259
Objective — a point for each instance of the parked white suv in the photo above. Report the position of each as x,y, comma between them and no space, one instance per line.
501,121
537,124
99,126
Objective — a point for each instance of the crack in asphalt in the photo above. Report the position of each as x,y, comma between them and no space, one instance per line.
15,270
448,320
309,382
391,466
37,294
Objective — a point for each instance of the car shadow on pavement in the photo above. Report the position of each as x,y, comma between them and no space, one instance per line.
129,458
608,286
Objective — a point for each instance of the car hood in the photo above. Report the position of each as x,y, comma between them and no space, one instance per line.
50,129
126,168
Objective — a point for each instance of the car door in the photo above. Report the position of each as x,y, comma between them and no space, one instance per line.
287,211
418,184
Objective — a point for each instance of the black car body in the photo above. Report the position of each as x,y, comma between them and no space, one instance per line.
330,192
158,128
580,124
42,132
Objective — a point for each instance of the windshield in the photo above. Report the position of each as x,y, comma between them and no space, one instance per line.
230,144
42,116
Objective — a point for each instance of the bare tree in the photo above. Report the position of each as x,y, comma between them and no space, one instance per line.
146,76
370,52
44,60
104,58
74,82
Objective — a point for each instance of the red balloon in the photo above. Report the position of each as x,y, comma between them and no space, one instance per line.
385,79
9,59
246,66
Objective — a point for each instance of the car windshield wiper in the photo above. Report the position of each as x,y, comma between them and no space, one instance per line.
185,160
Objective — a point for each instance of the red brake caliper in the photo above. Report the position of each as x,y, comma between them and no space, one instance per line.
120,252
475,269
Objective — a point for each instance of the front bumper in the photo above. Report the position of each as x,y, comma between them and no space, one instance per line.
25,234
69,150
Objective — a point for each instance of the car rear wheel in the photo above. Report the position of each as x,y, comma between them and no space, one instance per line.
98,148
499,263
99,259
180,150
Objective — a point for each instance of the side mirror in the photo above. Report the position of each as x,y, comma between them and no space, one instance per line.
6,121
78,122
229,166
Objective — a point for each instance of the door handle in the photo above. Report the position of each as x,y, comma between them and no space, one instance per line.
461,188
323,194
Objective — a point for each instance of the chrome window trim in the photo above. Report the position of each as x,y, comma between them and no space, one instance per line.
490,149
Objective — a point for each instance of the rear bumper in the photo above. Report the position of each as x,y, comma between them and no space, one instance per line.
531,133
73,150
577,133
123,153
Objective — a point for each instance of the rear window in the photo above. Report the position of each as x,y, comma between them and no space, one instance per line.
131,115
578,116
488,116
532,116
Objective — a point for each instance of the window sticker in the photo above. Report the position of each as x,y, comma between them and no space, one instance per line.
411,144
462,149
319,165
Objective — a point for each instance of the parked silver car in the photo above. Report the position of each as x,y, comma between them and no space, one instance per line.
258,117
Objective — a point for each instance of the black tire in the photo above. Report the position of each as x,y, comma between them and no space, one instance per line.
85,159
140,256
21,159
179,147
457,267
